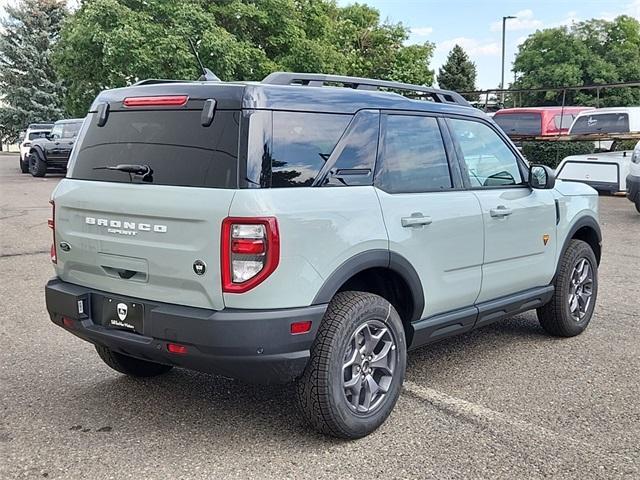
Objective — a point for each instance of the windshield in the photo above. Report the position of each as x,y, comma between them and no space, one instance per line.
601,123
173,143
519,123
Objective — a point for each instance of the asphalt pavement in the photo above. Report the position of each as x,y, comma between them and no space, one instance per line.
505,401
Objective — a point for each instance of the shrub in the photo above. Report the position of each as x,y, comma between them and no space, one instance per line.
552,153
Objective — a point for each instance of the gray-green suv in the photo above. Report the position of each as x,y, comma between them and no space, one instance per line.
308,228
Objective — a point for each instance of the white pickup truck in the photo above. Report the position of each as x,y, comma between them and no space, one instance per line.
606,171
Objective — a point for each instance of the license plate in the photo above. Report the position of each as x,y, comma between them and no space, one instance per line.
122,315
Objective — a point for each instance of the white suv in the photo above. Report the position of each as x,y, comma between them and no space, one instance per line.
34,132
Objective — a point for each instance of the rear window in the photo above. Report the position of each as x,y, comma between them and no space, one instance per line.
179,150
601,123
302,143
519,123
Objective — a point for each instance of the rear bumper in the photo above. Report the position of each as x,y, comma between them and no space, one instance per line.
633,188
251,345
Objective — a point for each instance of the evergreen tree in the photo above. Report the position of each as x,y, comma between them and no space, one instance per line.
29,89
458,73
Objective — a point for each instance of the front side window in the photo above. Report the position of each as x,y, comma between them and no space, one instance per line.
56,131
489,161
70,130
302,143
413,157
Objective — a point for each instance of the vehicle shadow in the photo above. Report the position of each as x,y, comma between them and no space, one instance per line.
218,407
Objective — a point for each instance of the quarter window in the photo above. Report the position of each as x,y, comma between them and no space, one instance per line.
413,157
302,143
489,161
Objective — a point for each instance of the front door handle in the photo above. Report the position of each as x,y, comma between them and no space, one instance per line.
500,211
416,220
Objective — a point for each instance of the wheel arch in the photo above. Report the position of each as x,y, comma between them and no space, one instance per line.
586,228
393,269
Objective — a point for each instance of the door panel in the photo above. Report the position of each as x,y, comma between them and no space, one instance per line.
447,252
516,257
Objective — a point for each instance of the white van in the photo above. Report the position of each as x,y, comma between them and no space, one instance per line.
603,171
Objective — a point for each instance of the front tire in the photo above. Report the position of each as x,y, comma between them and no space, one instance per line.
576,289
37,165
357,365
129,365
24,164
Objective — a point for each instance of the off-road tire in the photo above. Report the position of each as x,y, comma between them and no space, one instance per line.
320,392
24,164
37,165
129,365
555,317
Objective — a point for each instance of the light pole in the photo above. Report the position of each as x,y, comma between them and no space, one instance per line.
504,27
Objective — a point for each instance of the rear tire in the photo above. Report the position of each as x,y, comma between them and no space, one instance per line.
576,290
129,365
24,164
357,365
37,165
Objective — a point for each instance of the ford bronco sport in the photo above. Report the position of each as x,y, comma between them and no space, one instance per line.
308,228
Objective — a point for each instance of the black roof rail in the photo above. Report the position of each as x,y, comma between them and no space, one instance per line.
359,83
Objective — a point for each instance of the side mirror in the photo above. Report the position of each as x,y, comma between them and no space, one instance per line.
542,177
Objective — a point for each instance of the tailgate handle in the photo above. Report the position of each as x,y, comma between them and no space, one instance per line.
126,274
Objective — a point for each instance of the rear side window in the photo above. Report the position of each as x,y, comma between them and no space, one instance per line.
179,150
601,123
563,121
302,143
413,156
519,123
35,135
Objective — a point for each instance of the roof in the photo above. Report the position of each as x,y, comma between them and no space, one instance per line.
308,98
571,109
597,111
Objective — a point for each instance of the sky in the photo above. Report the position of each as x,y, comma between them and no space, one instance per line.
477,25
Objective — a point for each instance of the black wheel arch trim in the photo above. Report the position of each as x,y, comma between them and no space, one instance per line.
38,150
371,259
585,221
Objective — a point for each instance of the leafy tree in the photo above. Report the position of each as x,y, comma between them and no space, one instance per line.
29,87
595,51
458,72
112,43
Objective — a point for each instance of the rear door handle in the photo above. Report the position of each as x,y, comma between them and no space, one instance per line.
416,220
500,211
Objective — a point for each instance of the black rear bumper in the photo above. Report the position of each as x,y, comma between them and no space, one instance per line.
251,345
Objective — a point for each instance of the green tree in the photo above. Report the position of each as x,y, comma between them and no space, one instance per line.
458,72
29,87
112,43
595,51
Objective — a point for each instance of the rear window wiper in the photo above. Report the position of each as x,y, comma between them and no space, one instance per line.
144,170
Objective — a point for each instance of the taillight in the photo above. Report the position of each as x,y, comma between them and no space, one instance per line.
52,225
250,252
159,101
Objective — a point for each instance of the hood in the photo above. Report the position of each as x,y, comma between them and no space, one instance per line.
573,189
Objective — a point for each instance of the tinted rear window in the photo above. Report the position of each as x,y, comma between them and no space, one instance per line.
519,123
302,143
602,123
35,135
179,150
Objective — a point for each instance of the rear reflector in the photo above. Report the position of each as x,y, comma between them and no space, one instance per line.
300,327
166,101
176,348
67,322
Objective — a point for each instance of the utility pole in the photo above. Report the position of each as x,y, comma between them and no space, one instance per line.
504,28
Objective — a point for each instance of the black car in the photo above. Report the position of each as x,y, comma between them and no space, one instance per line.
52,152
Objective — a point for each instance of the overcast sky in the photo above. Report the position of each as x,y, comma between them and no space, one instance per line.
477,25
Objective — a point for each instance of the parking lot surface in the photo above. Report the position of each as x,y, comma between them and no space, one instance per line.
505,401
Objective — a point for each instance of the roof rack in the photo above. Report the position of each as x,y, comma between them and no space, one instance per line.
359,83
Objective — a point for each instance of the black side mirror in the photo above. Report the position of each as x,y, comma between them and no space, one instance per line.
542,177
